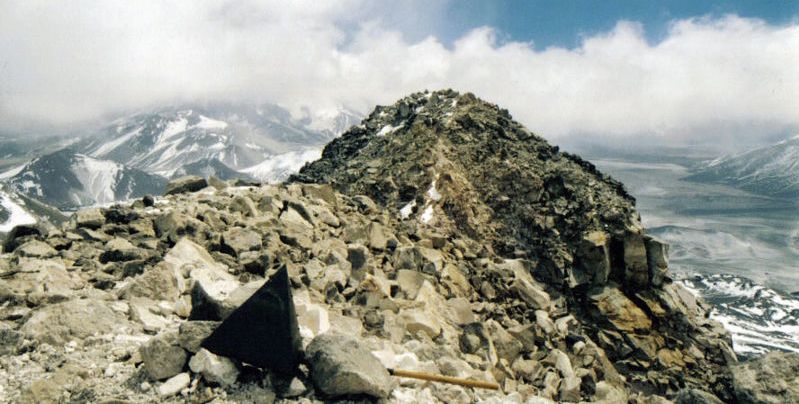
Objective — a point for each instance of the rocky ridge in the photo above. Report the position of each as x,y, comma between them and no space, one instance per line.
462,166
574,305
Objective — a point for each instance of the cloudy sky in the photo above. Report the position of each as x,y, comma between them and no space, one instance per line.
692,72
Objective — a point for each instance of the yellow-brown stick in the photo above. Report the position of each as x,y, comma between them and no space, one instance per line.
443,379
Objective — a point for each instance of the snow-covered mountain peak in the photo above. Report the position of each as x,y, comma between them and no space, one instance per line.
771,170
239,136
69,180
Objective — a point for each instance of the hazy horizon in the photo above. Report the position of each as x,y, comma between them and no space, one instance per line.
719,75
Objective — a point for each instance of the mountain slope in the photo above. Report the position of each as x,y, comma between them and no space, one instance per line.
771,170
210,167
69,180
450,166
455,161
277,168
238,136
13,212
18,209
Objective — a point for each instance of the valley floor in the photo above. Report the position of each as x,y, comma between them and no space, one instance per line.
738,250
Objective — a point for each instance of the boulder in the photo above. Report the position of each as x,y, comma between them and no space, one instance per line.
119,249
191,334
190,183
376,237
60,323
592,259
657,257
357,255
772,378
416,320
18,235
619,310
695,396
409,282
146,312
636,269
174,385
89,218
43,281
569,390
36,249
312,319
162,356
239,240
341,366
214,368
506,345
158,283
533,295
174,226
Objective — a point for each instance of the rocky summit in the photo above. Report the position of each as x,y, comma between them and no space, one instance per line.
437,236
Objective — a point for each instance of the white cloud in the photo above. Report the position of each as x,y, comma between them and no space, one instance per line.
62,62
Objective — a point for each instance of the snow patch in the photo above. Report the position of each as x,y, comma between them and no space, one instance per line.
208,123
108,147
279,167
175,128
98,177
389,129
427,215
405,211
12,172
17,215
760,319
433,193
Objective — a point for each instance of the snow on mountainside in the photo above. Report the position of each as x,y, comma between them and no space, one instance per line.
210,168
771,170
280,167
238,136
12,212
18,209
68,180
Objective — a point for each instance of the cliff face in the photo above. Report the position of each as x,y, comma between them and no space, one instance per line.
439,234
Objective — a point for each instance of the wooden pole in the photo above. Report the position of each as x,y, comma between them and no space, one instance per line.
443,379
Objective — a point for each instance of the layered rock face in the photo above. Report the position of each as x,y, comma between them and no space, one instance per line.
438,236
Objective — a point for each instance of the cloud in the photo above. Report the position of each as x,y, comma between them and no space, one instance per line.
726,78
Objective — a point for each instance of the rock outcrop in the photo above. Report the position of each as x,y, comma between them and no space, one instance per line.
438,236
462,168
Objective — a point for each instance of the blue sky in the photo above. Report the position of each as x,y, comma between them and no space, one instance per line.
723,73
566,23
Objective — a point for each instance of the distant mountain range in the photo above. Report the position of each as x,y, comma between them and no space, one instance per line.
238,136
68,180
771,170
136,154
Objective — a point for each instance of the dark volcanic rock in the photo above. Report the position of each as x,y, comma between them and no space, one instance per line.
17,236
191,183
263,331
